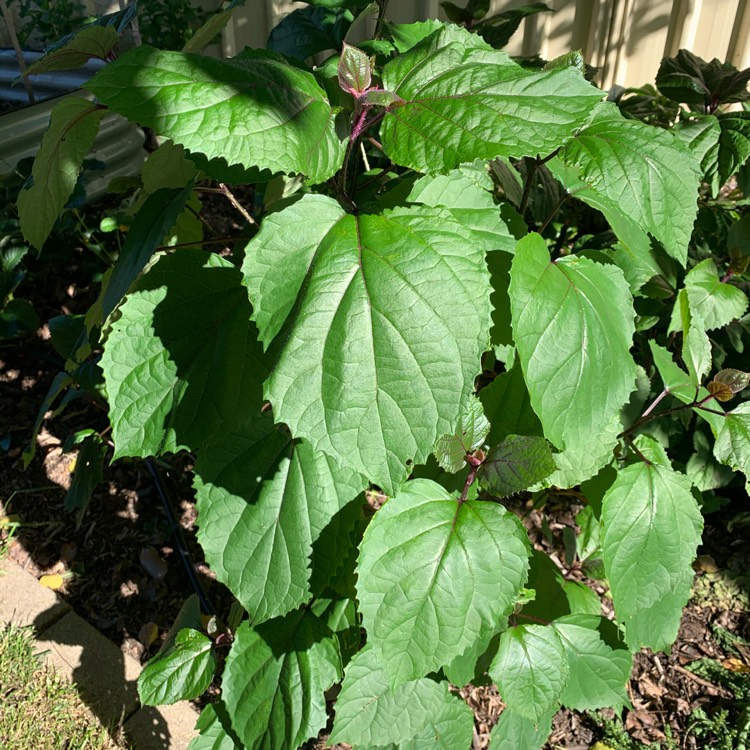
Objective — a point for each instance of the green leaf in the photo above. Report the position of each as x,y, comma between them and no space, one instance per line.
88,473
211,28
183,672
573,326
472,429
625,160
651,528
215,730
453,729
732,445
74,123
275,680
370,714
498,29
467,193
634,254
715,301
182,364
167,167
92,41
253,110
323,285
530,670
598,673
354,73
515,732
516,464
702,468
451,78
307,31
263,499
677,382
407,35
734,144
416,558
154,219
508,407
696,347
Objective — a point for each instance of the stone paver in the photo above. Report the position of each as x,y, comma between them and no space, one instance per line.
106,677
24,602
162,727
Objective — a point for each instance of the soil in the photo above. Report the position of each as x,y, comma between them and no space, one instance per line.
123,570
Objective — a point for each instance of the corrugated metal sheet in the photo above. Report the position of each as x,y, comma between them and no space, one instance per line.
626,39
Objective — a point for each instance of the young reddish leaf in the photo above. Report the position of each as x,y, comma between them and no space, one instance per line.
354,71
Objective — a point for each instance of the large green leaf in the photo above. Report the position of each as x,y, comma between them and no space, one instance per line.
307,31
275,680
370,714
182,363
215,730
515,732
530,670
74,123
648,172
379,324
573,326
732,445
435,575
598,673
462,101
181,673
634,253
254,109
651,527
263,500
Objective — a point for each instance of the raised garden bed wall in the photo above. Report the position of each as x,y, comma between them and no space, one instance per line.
118,147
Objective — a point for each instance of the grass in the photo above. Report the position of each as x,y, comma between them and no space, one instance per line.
39,710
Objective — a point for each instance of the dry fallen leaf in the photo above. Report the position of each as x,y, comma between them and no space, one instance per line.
153,564
735,665
53,581
148,634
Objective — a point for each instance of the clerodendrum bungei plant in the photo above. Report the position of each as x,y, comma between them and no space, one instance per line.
406,237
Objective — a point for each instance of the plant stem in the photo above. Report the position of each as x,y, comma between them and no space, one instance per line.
230,197
382,5
10,25
554,211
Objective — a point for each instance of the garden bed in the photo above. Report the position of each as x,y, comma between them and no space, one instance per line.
123,571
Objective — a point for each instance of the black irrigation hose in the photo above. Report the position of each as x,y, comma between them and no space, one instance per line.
179,538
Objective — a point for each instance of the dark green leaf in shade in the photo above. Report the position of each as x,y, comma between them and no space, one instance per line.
307,31
181,673
690,79
734,144
451,78
624,160
517,463
90,42
498,29
397,303
167,167
275,680
530,670
212,26
508,407
182,363
598,673
369,713
573,326
88,473
416,556
263,500
732,445
254,110
74,123
651,527
515,732
472,429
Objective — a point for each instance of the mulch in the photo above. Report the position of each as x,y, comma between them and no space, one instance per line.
123,571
